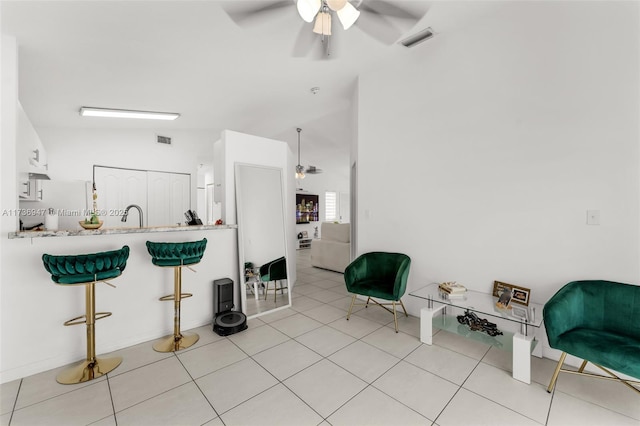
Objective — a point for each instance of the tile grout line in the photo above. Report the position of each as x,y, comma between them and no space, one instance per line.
113,407
15,402
200,389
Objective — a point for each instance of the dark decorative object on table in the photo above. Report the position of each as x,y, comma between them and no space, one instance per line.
478,324
299,235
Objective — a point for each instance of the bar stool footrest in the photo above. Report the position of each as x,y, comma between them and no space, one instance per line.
171,297
75,321
88,370
176,343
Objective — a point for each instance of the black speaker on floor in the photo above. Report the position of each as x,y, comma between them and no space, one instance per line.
225,320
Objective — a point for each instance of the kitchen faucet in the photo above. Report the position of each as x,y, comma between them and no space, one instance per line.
126,213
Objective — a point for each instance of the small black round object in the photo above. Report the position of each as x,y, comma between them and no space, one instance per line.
230,322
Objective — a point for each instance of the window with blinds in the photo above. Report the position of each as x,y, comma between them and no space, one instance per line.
331,206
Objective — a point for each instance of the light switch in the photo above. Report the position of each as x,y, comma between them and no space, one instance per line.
593,217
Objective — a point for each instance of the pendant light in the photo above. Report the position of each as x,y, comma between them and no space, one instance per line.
299,167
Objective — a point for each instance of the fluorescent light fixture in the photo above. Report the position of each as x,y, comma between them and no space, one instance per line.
124,113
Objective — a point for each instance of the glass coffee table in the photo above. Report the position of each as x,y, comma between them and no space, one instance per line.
525,320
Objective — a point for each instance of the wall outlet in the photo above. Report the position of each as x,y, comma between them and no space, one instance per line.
593,217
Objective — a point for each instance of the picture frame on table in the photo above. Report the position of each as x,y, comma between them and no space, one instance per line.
305,234
519,295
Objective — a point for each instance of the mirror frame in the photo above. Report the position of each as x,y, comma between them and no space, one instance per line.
240,215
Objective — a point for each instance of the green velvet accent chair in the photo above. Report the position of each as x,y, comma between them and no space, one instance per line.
87,270
275,271
599,322
380,275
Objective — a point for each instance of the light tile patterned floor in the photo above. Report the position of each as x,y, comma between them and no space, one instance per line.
307,365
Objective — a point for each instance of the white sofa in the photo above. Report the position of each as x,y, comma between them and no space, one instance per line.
333,250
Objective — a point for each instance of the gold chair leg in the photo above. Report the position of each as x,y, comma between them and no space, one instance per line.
554,378
395,316
179,340
582,366
353,300
92,367
405,311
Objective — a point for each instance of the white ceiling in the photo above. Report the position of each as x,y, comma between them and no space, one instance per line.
190,57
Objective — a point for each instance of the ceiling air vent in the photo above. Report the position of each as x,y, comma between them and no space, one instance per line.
164,139
418,37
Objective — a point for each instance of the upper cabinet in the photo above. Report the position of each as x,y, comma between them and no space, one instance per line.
31,155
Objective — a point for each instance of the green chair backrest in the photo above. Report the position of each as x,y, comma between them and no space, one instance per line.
596,305
176,254
83,268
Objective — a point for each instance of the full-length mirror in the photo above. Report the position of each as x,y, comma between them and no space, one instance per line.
262,244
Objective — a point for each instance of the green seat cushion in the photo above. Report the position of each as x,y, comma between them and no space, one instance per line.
176,254
612,350
83,268
374,288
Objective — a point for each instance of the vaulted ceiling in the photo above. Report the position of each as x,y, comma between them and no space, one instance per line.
191,57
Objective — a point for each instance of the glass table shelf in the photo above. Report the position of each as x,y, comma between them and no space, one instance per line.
525,318
483,303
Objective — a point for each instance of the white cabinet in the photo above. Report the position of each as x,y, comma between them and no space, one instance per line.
31,154
304,243
29,189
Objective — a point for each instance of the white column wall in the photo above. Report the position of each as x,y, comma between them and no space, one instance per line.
234,147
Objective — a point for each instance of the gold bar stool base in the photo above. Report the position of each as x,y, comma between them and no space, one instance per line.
88,370
176,343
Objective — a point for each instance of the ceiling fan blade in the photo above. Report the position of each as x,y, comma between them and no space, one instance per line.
254,12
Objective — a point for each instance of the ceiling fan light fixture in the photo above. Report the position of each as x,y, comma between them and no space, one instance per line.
299,168
323,24
336,4
308,9
348,15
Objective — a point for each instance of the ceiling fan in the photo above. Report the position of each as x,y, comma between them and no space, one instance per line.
384,20
300,170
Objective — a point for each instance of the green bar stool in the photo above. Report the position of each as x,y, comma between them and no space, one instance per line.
176,256
87,270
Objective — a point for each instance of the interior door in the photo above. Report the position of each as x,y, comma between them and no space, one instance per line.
117,189
169,197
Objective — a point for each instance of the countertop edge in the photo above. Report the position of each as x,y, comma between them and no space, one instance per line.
116,231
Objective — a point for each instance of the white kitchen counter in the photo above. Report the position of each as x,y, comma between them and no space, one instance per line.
115,231
34,307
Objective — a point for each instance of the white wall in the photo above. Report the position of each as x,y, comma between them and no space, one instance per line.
8,193
480,152
73,152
